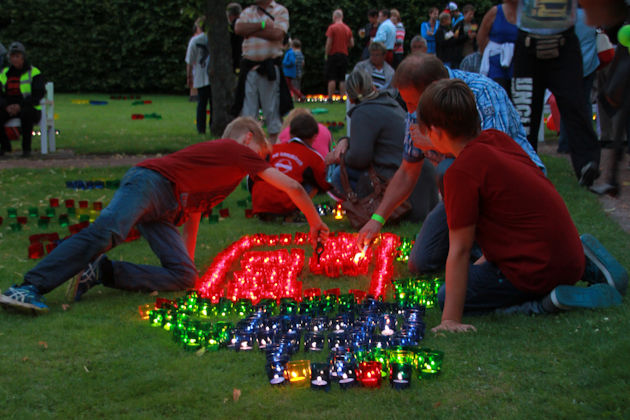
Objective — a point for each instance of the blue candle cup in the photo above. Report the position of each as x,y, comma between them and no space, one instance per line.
314,341
319,324
320,376
276,372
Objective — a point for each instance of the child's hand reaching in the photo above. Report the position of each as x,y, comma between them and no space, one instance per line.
453,326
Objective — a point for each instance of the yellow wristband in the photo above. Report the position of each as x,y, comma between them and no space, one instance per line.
263,23
378,218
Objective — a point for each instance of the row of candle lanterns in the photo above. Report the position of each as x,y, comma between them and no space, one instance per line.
97,184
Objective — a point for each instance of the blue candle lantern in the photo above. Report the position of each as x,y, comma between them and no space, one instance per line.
359,338
244,341
265,338
290,323
404,338
272,324
337,340
314,341
340,323
156,317
381,341
319,324
276,372
400,377
320,376
340,362
414,314
417,329
291,340
387,324
369,320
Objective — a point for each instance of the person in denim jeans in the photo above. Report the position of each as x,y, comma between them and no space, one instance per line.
158,195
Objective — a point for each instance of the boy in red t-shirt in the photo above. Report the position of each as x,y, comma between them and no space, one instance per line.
495,195
157,195
296,159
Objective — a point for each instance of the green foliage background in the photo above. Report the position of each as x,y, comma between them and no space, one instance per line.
139,46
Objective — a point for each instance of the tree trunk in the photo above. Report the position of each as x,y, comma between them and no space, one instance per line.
222,78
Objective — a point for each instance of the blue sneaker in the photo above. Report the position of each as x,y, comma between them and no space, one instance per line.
600,295
85,280
601,267
24,298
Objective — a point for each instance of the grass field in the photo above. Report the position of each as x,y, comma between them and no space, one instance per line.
97,359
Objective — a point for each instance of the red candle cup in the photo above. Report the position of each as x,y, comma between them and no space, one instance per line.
369,374
69,203
54,202
36,250
224,212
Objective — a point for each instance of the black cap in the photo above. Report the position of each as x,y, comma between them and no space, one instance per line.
16,47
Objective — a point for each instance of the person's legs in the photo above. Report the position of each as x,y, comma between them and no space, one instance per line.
5,143
353,177
203,99
488,289
270,104
143,194
251,102
564,77
28,117
430,249
177,272
528,88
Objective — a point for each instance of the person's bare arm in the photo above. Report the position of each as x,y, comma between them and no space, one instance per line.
483,35
328,45
249,29
189,233
398,190
351,44
319,230
457,264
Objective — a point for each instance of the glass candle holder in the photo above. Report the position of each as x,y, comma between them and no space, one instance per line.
320,376
288,306
400,377
244,341
319,324
22,220
339,361
145,309
50,211
264,338
33,212
156,317
387,324
54,202
400,356
276,372
431,363
12,212
369,374
298,373
337,340
314,341
381,342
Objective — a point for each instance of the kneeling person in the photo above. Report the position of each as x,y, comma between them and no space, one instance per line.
298,160
496,195
157,195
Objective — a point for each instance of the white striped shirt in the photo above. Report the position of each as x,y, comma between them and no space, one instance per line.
259,49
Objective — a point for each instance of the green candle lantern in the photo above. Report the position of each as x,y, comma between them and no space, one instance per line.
33,212
156,317
430,365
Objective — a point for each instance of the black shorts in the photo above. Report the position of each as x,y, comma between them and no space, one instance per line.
336,67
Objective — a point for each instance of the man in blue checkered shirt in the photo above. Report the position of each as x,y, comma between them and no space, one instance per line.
495,109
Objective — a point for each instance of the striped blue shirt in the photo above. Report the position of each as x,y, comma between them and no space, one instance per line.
495,111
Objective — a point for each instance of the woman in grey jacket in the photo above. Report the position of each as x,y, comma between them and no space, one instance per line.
376,138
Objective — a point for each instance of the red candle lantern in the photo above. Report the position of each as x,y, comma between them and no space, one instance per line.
36,250
369,374
54,202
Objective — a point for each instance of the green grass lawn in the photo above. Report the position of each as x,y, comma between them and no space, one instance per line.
97,359
108,129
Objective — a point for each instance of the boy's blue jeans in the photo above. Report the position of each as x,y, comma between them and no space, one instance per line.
145,199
